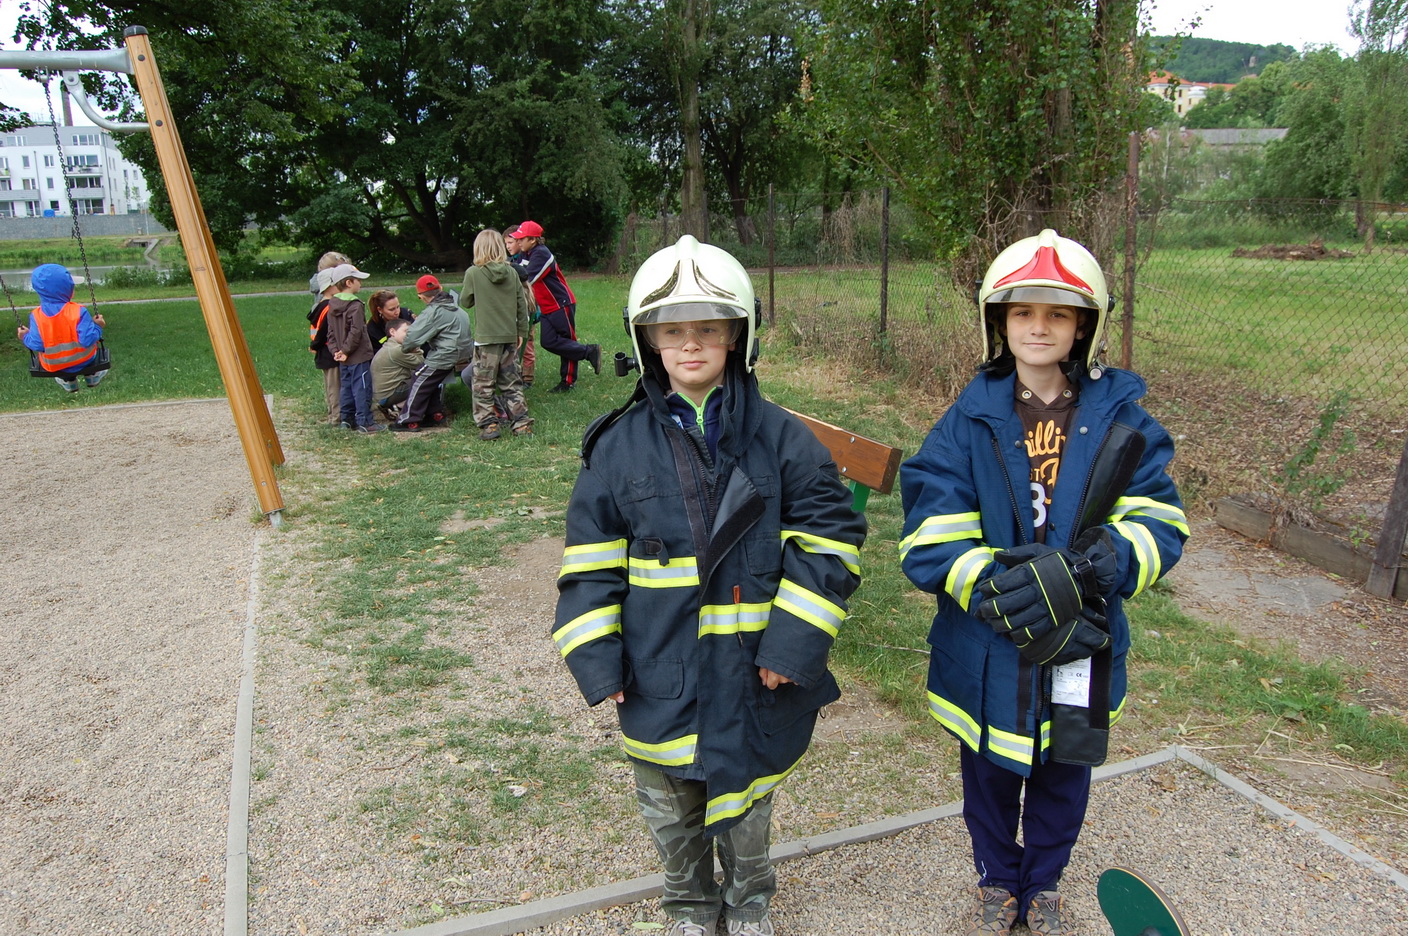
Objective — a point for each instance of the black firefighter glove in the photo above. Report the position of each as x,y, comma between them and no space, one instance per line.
1050,602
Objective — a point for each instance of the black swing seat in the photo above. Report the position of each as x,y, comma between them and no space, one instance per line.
100,362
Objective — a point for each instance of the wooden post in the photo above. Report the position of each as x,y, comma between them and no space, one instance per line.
884,259
256,428
1131,245
772,256
1389,553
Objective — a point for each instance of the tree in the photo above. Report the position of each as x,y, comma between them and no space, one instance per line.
1376,101
1311,162
993,117
391,129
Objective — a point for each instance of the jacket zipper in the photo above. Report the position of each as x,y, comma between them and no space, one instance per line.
1011,493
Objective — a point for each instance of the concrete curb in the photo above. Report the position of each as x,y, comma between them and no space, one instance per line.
237,831
1291,817
512,920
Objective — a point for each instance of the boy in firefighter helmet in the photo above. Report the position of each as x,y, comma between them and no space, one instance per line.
711,547
1030,636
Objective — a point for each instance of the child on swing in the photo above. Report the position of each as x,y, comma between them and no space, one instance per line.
62,333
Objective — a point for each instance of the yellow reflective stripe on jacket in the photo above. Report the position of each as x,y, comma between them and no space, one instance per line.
589,626
669,753
733,618
943,529
809,606
675,573
1011,746
1146,552
735,804
1154,510
964,573
1118,713
848,554
955,719
591,556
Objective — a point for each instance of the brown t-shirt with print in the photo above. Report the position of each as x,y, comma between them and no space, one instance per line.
1045,427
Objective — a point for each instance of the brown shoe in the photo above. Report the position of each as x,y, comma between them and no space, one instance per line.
995,912
1044,914
490,432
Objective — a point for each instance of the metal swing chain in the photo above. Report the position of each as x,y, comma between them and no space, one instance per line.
72,203
19,322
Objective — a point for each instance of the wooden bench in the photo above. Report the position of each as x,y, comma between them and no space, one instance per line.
867,464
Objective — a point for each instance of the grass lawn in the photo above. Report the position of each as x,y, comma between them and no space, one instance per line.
384,550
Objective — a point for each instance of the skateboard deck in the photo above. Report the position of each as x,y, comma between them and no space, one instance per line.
1136,906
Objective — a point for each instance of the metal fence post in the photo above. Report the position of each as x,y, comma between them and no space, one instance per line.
772,256
884,259
1131,241
1383,574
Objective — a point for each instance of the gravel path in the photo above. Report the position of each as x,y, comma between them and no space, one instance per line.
129,544
1227,864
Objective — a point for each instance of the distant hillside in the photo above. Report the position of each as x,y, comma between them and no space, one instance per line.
1220,62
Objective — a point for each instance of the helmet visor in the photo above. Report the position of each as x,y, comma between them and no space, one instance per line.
689,312
1049,295
704,332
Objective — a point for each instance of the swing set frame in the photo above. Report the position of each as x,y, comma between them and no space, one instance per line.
258,437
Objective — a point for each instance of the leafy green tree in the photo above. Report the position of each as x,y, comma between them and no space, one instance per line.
1250,103
1376,101
1311,162
990,116
246,81
391,129
741,72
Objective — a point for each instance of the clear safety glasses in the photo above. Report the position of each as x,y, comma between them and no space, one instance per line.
678,334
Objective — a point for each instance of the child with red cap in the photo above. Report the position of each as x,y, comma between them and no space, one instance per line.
557,304
442,331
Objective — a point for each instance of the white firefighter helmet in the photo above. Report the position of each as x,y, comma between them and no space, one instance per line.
1046,268
692,282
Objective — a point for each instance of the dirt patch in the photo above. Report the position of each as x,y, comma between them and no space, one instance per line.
1269,595
1315,250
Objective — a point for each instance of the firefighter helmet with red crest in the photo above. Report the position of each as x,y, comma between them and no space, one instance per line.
1046,268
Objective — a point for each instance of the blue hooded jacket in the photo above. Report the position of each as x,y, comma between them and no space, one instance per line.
54,284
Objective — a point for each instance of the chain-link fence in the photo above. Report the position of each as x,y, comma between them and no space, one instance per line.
1291,295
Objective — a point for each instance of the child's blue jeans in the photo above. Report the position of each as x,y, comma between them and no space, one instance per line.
355,396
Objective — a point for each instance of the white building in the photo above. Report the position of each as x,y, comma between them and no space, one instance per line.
100,179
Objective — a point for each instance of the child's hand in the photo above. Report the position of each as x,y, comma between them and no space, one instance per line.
339,356
22,331
99,319
618,698
770,679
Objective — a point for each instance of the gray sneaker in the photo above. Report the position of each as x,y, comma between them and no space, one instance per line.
995,912
689,928
761,927
1044,914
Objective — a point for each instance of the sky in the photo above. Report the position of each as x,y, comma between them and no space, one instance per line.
1296,23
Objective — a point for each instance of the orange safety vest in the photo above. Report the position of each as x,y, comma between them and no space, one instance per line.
313,329
60,336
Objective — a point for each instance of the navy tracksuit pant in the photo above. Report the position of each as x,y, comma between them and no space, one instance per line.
1050,817
560,337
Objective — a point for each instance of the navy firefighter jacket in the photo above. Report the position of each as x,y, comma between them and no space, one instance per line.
683,574
966,496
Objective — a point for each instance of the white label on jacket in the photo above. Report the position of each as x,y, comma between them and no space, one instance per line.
1070,683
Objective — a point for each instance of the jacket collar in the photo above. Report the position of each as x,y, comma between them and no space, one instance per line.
989,397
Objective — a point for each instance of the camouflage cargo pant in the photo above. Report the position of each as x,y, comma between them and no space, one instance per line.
496,374
674,812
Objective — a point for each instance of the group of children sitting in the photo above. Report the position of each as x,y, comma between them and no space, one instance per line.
398,362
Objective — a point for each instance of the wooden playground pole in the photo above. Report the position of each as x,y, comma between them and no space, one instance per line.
256,428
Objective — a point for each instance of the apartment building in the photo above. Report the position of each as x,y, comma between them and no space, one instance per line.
97,176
